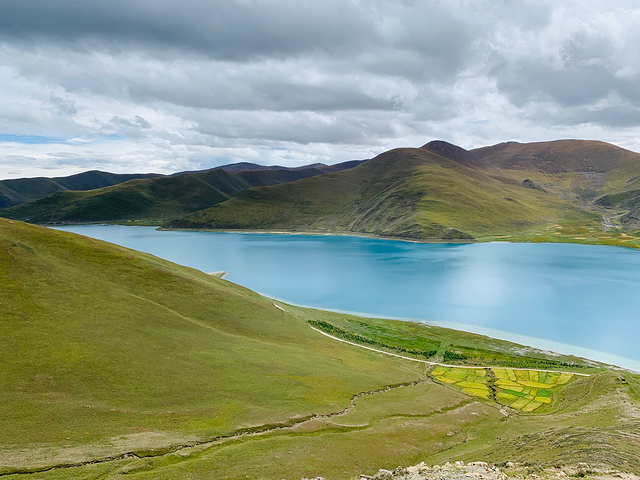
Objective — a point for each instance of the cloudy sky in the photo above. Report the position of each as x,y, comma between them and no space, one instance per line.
170,85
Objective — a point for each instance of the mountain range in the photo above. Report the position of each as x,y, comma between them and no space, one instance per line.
23,190
437,191
149,198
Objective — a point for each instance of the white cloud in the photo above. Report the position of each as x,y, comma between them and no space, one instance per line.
164,86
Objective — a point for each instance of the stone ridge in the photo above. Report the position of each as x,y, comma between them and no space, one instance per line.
507,471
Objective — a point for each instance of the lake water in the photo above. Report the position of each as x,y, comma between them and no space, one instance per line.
569,298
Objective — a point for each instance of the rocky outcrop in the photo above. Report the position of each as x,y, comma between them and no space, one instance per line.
506,471
531,184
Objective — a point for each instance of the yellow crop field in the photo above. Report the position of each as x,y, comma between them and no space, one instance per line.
447,379
478,392
528,383
525,390
531,406
467,384
520,403
500,373
564,378
532,389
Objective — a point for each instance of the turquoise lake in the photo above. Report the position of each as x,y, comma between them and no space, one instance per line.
570,298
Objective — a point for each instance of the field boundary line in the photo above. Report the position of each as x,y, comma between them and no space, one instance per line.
427,362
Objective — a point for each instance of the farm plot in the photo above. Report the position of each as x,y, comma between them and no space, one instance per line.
473,381
525,390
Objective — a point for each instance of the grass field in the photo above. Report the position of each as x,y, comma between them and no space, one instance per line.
122,351
422,341
587,235
142,367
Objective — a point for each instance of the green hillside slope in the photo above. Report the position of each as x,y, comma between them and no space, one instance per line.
22,190
155,200
103,345
600,175
118,363
436,191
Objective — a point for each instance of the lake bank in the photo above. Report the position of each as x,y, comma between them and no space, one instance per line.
569,294
583,235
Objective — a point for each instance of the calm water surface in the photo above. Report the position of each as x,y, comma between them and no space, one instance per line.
570,298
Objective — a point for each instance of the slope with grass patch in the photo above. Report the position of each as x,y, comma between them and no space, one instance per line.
118,362
107,350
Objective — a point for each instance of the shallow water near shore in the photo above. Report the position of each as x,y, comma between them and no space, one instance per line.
577,299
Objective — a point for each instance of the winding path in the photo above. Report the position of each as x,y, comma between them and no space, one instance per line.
427,362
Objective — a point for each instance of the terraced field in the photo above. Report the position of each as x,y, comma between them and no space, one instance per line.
524,390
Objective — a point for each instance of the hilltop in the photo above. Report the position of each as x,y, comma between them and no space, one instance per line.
118,362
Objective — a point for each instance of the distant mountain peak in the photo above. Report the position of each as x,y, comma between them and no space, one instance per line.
450,151
247,166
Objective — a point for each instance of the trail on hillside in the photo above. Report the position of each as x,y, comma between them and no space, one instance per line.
427,362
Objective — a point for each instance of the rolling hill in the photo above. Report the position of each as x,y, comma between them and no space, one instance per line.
161,198
23,190
119,363
437,191
600,175
107,346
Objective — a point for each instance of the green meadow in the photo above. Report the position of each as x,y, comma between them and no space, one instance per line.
116,362
587,235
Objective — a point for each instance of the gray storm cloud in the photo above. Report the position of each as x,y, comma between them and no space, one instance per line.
143,85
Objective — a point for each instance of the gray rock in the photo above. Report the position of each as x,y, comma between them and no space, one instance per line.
383,475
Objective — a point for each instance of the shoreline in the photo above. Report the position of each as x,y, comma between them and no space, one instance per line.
316,233
621,239
509,238
549,348
543,345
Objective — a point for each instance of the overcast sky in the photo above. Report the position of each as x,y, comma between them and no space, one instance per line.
170,85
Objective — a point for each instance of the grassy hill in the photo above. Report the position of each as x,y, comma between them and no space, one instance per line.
117,362
23,190
104,344
599,175
437,191
155,200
